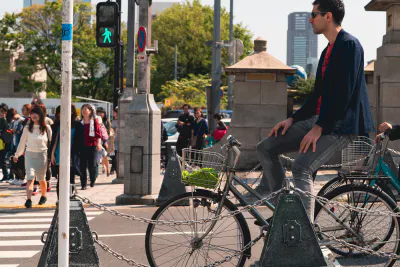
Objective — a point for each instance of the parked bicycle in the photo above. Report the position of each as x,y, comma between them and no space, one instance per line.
221,233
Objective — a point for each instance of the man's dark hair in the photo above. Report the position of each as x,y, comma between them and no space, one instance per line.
217,116
186,105
336,7
36,101
4,107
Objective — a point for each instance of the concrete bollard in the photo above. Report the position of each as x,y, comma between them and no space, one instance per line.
172,184
82,249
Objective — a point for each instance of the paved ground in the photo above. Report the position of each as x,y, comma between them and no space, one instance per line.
20,230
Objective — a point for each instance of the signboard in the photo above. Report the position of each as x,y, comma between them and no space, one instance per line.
141,58
141,39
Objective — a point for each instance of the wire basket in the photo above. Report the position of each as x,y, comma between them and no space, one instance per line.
358,156
201,168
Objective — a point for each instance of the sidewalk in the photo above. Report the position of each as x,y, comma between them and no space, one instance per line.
104,192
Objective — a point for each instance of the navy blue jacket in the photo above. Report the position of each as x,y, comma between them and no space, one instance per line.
343,90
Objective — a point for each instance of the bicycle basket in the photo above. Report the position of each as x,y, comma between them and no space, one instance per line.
358,155
201,168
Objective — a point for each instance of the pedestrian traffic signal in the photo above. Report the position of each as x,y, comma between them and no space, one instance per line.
107,24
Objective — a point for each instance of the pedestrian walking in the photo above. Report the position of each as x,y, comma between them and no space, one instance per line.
4,126
91,144
17,133
34,143
76,144
184,127
200,130
113,156
106,142
336,112
221,128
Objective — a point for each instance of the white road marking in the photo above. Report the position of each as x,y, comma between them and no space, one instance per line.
43,214
20,234
18,254
16,243
31,220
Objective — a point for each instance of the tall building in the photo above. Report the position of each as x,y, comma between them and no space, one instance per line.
42,2
302,43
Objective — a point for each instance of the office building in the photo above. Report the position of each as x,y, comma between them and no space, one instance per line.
302,43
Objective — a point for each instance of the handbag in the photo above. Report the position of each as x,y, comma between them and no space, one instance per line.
193,141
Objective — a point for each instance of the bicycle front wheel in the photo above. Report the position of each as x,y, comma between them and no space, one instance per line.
179,245
366,230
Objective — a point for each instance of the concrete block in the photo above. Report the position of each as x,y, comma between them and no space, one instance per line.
393,18
247,92
248,160
389,69
369,79
281,77
240,77
258,115
274,93
264,132
390,115
390,95
391,37
372,94
249,137
389,50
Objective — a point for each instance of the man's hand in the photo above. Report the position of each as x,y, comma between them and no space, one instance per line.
385,126
180,122
286,124
311,138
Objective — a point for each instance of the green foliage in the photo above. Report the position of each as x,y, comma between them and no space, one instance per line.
38,30
189,25
190,90
304,87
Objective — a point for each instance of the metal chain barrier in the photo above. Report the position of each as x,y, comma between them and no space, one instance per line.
119,256
237,254
173,222
361,249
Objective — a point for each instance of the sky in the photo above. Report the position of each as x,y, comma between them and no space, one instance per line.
269,19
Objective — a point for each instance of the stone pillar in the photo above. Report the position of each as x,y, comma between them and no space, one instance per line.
387,65
260,99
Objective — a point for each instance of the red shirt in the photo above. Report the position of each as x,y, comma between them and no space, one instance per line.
91,140
324,66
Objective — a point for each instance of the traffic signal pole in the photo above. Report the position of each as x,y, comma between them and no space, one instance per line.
117,57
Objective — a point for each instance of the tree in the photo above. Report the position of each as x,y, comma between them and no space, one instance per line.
38,30
304,87
190,90
189,26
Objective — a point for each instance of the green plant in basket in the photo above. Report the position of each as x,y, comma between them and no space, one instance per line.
204,177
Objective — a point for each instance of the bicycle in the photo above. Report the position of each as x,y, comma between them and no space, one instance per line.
219,231
366,163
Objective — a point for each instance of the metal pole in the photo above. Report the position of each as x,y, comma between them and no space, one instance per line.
130,63
144,67
176,63
121,69
231,61
65,133
117,57
216,66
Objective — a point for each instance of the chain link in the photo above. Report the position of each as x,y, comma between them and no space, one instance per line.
361,249
394,151
237,254
119,256
173,222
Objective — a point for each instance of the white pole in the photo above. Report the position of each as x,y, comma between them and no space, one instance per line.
65,133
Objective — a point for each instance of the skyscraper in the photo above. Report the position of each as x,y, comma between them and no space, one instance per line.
302,43
42,2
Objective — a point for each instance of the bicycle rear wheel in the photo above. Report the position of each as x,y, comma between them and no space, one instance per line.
370,231
176,245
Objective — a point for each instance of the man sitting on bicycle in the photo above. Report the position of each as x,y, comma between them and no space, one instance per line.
336,112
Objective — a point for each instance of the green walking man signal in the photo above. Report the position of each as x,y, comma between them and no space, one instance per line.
107,18
107,34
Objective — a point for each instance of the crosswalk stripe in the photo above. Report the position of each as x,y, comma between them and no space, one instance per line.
43,214
30,220
14,243
24,226
20,234
18,254
9,265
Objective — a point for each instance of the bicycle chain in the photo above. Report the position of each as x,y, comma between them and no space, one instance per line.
119,256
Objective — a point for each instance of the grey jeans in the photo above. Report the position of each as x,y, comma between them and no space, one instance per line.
305,164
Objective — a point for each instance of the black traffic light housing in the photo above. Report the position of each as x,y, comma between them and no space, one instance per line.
107,18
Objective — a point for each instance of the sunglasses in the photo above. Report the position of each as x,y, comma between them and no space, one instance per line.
314,14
